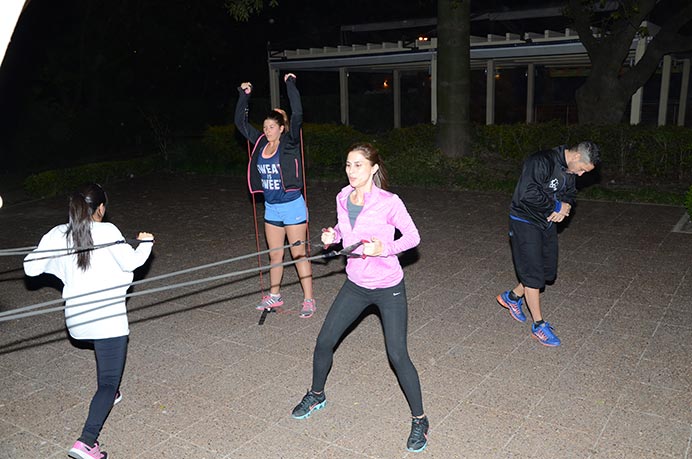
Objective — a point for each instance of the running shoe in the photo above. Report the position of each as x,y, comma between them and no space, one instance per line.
418,439
311,402
514,307
270,301
81,451
544,334
308,309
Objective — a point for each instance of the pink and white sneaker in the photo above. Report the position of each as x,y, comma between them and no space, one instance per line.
308,309
270,301
81,451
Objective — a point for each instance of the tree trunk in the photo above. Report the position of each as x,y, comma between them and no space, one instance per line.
602,99
454,77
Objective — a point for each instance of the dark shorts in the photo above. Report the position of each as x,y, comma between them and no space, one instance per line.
534,251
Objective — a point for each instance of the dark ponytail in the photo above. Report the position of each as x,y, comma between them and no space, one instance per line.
83,205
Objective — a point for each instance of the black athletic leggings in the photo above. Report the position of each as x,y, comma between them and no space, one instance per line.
348,305
110,363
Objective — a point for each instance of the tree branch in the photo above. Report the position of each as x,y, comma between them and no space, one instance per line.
667,41
582,24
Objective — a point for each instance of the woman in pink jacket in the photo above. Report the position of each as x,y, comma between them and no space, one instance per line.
366,212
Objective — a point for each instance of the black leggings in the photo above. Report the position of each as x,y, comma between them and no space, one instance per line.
110,362
348,305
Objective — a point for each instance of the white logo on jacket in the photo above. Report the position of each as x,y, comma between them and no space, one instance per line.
553,184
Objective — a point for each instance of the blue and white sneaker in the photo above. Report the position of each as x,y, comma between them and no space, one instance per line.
311,402
544,334
514,307
418,438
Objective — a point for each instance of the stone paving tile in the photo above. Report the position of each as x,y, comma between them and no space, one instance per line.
335,452
64,424
537,438
174,411
677,317
7,430
598,387
627,452
127,437
16,386
660,401
527,372
377,435
280,443
39,405
26,445
627,324
672,337
204,380
507,396
645,431
560,408
469,359
479,426
175,447
225,430
675,372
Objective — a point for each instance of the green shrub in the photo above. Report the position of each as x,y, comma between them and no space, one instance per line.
688,202
325,147
53,182
221,148
639,163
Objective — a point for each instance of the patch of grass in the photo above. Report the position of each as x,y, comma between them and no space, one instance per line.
644,195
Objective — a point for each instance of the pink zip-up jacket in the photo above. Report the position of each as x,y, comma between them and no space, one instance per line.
382,213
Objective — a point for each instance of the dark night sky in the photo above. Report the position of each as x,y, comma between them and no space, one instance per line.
94,67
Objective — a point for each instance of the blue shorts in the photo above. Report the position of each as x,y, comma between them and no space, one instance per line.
286,213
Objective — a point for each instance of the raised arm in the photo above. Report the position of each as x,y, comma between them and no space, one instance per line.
296,106
241,114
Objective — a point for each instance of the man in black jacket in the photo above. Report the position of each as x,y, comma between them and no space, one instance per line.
543,197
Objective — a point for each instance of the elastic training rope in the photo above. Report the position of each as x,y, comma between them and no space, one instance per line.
69,250
305,193
19,313
143,281
18,249
254,215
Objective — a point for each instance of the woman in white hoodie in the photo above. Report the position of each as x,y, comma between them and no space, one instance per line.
93,262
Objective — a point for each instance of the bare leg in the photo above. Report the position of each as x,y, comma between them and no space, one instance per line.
304,268
519,290
276,235
533,300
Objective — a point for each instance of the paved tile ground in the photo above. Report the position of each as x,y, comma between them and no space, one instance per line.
204,380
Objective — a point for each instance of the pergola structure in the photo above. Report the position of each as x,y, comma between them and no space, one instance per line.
551,49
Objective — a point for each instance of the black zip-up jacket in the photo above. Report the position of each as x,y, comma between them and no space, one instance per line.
289,148
543,184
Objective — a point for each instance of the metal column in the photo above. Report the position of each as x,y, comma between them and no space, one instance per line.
530,91
433,89
684,85
490,92
343,95
274,94
396,93
636,111
665,90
